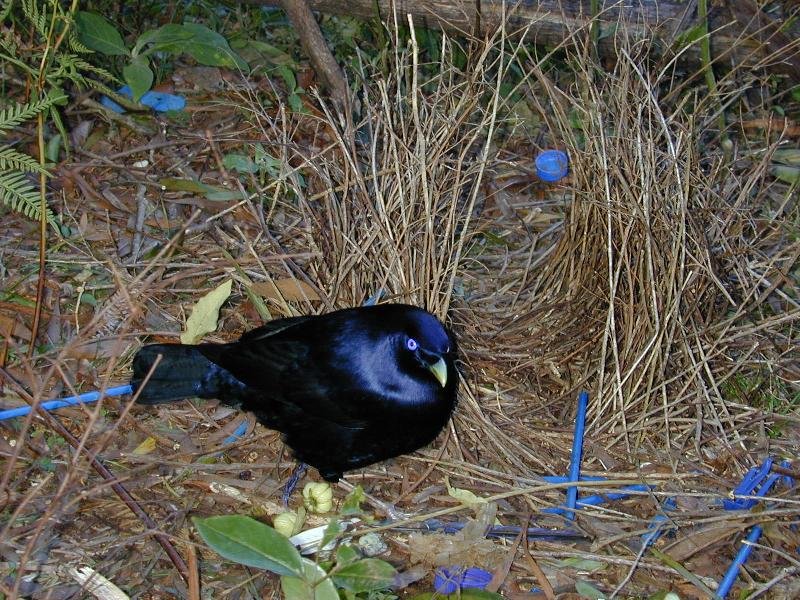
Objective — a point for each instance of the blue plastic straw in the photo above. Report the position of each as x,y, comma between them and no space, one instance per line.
733,571
239,432
577,447
70,401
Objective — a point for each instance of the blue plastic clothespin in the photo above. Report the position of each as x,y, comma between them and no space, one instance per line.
756,482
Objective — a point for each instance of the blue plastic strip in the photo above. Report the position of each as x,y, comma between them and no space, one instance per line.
733,571
70,401
239,432
596,499
577,448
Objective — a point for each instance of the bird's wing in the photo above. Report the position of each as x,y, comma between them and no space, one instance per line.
284,365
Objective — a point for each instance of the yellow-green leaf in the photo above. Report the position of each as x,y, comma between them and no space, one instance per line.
205,313
146,447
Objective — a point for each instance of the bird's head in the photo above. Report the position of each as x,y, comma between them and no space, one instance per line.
426,345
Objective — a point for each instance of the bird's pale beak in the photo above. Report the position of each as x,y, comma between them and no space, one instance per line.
439,370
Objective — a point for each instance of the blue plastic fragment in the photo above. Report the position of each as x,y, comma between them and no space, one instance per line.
158,101
741,557
86,398
552,165
375,298
239,432
788,480
756,482
656,527
577,449
596,499
450,580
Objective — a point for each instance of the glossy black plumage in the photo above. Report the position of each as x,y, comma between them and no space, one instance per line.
347,389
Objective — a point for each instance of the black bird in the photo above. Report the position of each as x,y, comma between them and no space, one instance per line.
347,389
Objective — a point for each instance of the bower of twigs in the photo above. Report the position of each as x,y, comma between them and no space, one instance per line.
661,276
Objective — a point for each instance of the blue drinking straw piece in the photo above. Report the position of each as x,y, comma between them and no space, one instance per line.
733,571
577,448
239,432
86,398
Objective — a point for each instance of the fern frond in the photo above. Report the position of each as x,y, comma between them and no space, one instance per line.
6,10
74,43
11,160
17,193
12,116
39,21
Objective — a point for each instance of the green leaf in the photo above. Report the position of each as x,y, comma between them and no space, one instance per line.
346,555
250,542
204,45
205,313
167,38
313,585
138,76
218,194
581,564
240,162
786,173
97,33
288,77
53,148
352,502
333,529
295,103
255,51
587,590
690,36
365,575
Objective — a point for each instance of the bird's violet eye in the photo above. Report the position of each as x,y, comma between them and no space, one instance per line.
411,344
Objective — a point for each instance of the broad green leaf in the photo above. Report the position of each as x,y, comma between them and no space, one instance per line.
365,575
288,77
240,162
250,542
167,38
352,502
690,36
257,52
205,313
138,76
785,173
295,103
787,156
97,33
346,554
581,564
146,447
333,529
313,585
174,184
587,590
464,496
210,48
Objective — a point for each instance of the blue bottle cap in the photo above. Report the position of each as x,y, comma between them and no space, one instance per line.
552,165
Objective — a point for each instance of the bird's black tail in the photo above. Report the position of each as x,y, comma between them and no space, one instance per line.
182,372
